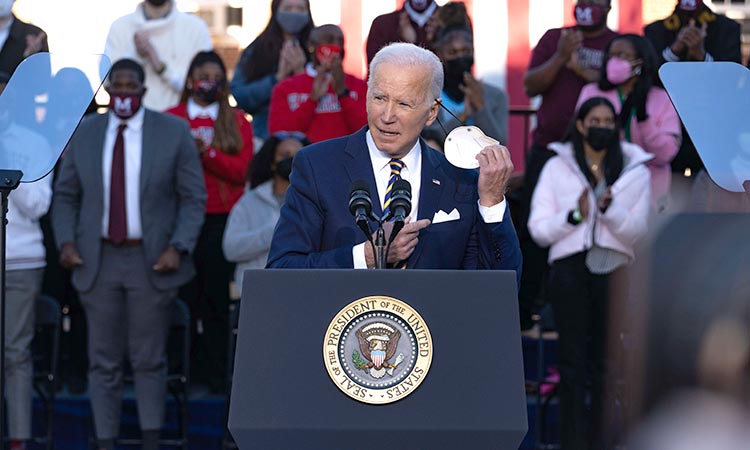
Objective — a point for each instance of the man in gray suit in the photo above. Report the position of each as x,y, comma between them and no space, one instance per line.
128,207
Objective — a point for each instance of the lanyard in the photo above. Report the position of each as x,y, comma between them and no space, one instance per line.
629,120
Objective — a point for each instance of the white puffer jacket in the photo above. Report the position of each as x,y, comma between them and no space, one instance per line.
561,183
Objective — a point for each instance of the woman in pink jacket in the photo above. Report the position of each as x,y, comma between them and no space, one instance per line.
646,114
590,205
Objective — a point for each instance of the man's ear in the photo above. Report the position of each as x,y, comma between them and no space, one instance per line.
434,109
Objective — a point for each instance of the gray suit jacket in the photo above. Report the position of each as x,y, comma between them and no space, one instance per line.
173,196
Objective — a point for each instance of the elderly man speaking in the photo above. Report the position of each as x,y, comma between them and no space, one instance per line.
459,217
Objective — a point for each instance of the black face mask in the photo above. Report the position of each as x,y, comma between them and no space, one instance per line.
454,76
206,91
284,168
601,139
157,2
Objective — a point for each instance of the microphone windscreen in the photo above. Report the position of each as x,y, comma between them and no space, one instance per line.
402,185
358,185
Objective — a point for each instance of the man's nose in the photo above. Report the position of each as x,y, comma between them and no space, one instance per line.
389,113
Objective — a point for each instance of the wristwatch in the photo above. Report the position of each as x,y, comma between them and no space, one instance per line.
575,217
344,93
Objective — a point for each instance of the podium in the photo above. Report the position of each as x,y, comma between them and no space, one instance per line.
472,395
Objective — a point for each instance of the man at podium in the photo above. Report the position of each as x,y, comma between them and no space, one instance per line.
459,218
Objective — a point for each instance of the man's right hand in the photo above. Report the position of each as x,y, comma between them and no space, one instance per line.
569,42
406,31
69,256
403,245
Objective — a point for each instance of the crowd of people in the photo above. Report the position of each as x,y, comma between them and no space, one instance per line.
168,195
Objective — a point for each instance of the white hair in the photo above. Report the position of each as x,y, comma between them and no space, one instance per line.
404,54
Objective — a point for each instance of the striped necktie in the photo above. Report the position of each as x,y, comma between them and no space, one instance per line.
396,166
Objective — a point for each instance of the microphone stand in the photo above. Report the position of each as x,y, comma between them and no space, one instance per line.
9,180
380,256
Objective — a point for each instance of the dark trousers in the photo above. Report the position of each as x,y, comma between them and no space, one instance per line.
208,297
579,300
534,257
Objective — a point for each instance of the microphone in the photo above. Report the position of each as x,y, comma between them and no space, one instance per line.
400,206
360,205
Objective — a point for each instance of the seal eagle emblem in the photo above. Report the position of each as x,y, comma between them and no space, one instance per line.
377,349
378,343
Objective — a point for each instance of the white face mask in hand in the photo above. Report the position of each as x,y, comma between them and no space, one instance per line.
463,143
5,7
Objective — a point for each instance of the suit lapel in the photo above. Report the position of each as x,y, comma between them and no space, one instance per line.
429,194
359,167
148,145
98,138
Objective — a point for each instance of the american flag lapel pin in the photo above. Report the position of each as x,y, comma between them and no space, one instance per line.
436,181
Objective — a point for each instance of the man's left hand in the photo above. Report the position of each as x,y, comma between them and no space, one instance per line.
495,169
169,261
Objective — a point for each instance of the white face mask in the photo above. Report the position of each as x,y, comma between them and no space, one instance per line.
5,7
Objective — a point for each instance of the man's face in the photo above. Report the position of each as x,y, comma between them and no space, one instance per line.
125,82
399,106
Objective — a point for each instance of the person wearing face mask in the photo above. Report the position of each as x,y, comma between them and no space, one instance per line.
247,238
163,40
590,207
323,102
472,101
564,60
628,79
273,56
225,145
18,39
414,23
694,33
128,205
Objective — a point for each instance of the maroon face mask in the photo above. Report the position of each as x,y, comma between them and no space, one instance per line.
125,105
589,15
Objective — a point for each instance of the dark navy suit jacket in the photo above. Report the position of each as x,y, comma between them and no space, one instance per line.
316,229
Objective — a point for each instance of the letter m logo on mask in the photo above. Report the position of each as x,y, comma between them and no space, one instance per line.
584,16
123,105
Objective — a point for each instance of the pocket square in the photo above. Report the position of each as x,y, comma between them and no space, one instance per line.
441,216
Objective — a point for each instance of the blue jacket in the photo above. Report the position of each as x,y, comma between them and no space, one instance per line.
316,229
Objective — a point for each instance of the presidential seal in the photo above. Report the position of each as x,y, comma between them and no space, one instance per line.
377,350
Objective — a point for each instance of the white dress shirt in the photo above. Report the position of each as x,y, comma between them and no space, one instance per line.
412,172
133,140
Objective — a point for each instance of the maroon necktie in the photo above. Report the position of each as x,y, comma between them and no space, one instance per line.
118,225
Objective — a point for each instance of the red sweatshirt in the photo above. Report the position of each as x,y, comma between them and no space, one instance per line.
330,117
223,173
